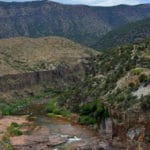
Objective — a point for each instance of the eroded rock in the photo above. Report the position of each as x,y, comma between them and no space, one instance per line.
36,142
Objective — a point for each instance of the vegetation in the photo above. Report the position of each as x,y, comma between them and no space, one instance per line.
144,78
68,23
53,108
13,130
126,34
102,87
145,103
136,71
5,142
92,113
102,81
20,104
42,54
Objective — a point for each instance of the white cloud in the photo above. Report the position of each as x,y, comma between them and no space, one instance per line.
101,2
116,2
97,2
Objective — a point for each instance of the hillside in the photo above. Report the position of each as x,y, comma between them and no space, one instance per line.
117,70
20,55
80,23
117,85
129,33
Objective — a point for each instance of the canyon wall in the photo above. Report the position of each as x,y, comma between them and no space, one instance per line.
59,77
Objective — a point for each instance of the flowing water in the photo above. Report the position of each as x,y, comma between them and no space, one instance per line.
77,135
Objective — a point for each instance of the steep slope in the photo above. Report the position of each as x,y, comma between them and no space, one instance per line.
20,55
125,34
114,70
117,85
81,23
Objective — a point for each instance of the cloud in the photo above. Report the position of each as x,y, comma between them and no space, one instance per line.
104,2
77,1
98,2
117,2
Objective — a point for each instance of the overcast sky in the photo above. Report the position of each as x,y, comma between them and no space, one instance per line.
97,2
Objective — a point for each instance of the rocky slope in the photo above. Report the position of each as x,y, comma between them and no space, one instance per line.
126,34
113,93
83,24
28,64
118,84
20,55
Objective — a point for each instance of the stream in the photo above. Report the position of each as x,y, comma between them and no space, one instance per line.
77,136
50,133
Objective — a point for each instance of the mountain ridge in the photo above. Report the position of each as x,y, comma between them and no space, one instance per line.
127,34
81,23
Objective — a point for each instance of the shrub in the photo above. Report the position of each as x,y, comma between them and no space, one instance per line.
145,104
5,142
133,86
87,120
85,109
143,78
14,124
92,113
136,71
5,138
52,107
13,130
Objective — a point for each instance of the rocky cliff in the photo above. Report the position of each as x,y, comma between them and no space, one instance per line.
60,77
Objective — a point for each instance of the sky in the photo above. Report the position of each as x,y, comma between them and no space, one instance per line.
97,2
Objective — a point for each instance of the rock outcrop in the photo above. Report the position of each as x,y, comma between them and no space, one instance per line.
59,77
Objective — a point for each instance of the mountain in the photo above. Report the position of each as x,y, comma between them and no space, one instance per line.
20,55
126,34
80,23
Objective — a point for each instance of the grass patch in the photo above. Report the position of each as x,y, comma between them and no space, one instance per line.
87,120
20,104
53,108
13,129
9,109
5,142
137,71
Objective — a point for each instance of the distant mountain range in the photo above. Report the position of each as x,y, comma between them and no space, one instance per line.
132,32
83,24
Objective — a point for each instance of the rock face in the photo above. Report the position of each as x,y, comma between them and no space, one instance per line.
59,77
36,142
133,127
126,130
83,24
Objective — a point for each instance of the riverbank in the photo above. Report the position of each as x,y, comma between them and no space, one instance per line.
56,133
48,132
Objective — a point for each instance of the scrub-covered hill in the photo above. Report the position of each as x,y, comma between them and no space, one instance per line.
20,55
126,34
117,85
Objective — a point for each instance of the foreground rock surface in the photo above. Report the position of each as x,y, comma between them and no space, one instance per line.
37,142
7,120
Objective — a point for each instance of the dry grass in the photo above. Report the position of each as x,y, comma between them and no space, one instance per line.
27,54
